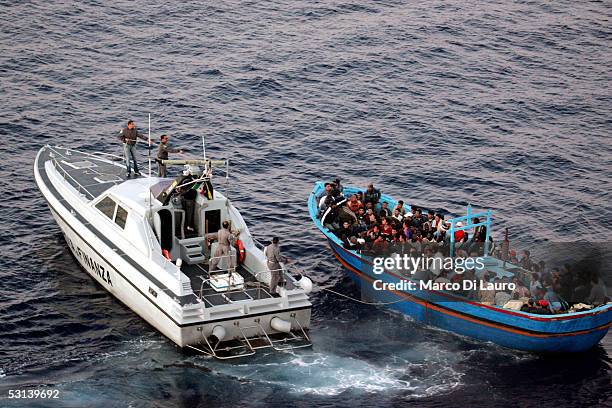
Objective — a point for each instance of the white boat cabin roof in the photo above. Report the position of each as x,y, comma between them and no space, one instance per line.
95,176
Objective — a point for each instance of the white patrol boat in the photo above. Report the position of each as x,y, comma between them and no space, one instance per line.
131,236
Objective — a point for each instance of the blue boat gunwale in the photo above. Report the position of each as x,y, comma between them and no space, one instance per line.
313,210
437,307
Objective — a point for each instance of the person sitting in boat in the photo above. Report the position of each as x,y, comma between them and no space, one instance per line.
442,277
423,274
484,295
379,246
417,218
353,244
360,227
373,233
426,228
324,198
535,283
512,258
400,207
225,240
460,235
502,296
430,217
397,215
525,261
437,222
354,204
384,210
325,192
406,229
330,217
338,189
371,218
556,304
480,232
361,219
400,245
345,232
543,307
371,195
598,295
385,229
535,306
415,242
345,214
442,232
520,290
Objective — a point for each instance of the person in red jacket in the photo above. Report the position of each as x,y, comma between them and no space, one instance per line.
459,235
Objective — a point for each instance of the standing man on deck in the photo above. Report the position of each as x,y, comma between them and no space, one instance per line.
162,154
274,257
128,137
225,240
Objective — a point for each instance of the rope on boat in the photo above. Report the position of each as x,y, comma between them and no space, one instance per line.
364,302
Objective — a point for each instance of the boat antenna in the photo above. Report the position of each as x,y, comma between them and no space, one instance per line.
227,178
150,192
149,148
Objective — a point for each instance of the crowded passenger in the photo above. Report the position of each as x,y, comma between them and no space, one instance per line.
397,215
400,208
376,226
354,204
384,210
371,195
525,261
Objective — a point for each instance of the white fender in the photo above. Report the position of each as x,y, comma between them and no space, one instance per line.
219,332
306,284
280,325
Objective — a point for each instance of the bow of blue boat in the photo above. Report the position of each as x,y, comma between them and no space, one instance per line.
564,332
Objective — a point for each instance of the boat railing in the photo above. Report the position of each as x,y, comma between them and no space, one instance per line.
284,279
92,154
64,172
469,224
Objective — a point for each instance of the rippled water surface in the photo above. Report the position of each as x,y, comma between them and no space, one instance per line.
499,104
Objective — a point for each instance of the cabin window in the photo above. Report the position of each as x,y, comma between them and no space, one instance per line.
121,216
107,206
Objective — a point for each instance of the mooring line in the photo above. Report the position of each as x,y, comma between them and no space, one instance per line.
364,302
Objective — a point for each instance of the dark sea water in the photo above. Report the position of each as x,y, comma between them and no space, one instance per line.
503,104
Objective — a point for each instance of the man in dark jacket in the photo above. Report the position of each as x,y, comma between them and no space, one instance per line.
128,137
371,195
162,154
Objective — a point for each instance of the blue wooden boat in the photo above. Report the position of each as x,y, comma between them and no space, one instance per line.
568,332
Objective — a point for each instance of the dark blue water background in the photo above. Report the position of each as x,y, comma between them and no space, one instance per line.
503,104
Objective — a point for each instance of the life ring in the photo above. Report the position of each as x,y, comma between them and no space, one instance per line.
241,251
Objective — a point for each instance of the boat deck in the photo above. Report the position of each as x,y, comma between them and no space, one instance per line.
89,174
198,275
